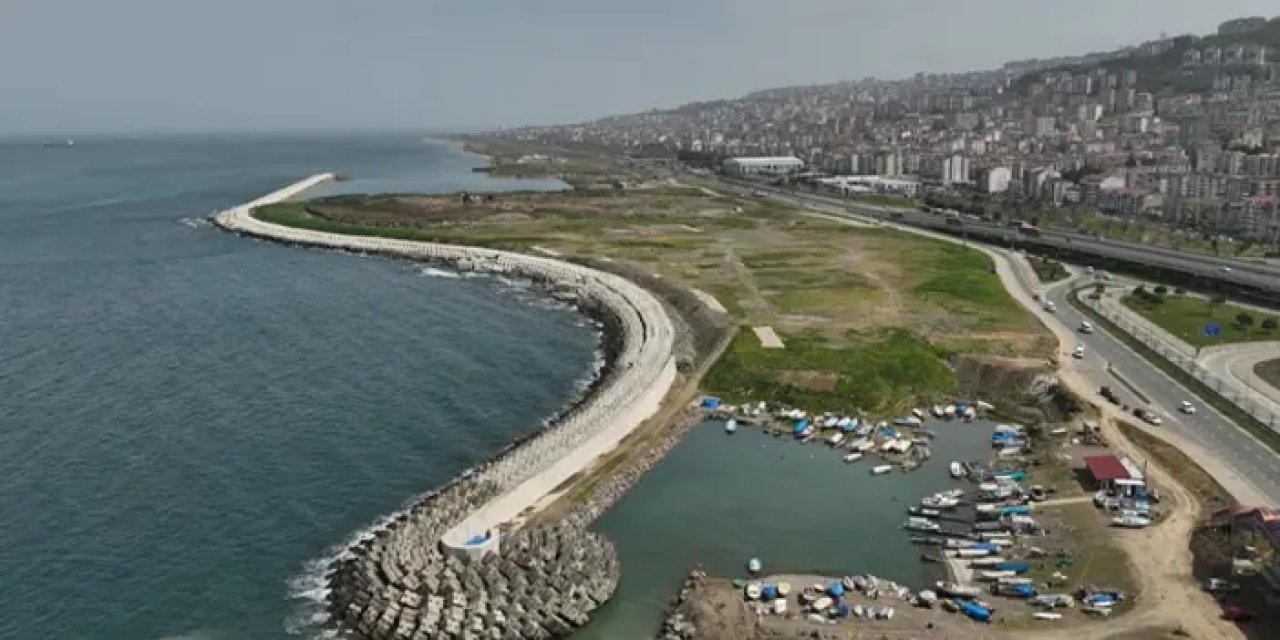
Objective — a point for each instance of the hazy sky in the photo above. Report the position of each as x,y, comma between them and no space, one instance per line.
134,65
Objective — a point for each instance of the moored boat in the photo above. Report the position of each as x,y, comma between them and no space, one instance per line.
881,469
754,589
731,426
836,438
916,523
853,457
1131,521
754,565
957,470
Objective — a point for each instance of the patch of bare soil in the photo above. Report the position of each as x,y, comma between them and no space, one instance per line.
815,380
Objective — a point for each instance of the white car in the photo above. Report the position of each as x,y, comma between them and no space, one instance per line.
1225,269
1050,306
1187,407
1078,353
1085,327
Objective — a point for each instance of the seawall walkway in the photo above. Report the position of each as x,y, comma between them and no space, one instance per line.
441,567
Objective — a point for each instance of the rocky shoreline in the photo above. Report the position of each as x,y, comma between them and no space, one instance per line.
452,565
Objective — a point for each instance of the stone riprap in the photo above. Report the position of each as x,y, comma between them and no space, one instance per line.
417,573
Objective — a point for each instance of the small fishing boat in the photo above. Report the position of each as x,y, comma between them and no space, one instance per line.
984,405
939,501
938,412
731,426
754,565
956,590
836,438
784,589
753,590
957,470
853,457
989,561
882,469
994,574
921,511
916,523
822,604
949,411
780,607
862,444
918,413
929,557
1046,615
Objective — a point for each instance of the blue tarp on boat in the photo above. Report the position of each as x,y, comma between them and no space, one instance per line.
844,610
710,402
1016,510
985,546
769,592
1016,567
801,425
888,433
1022,591
974,610
836,589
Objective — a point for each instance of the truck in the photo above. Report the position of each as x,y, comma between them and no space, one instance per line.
1028,230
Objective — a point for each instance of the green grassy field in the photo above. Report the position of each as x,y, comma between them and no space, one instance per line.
1048,270
1186,316
880,371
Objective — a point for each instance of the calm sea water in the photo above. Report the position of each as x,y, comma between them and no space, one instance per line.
188,420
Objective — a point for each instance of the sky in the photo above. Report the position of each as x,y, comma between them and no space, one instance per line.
89,66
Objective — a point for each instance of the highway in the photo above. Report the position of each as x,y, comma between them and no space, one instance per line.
1234,451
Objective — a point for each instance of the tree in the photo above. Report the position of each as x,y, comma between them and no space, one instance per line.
1216,301
1244,320
1160,289
1269,324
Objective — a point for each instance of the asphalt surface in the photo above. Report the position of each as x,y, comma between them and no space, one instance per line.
1232,446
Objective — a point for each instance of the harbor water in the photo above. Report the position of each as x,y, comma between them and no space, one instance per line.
190,421
718,500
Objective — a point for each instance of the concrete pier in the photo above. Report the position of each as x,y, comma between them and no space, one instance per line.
456,564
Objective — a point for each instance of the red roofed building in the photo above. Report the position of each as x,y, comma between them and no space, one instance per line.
1115,474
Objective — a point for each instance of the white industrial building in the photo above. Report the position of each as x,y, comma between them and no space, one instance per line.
853,185
765,166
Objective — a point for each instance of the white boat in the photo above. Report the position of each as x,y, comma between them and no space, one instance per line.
1131,521
949,411
836,438
917,413
939,501
853,457
881,469
938,412
957,470
989,561
972,552
921,524
1060,431
970,413
731,426
1045,615
822,604
984,405
784,589
780,606
754,588
754,565
862,444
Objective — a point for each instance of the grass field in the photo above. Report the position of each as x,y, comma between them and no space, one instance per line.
1186,317
1269,371
868,314
1047,270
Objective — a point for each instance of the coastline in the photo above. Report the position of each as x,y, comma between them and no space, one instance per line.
374,585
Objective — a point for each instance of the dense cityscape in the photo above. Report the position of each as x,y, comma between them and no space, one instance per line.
1184,130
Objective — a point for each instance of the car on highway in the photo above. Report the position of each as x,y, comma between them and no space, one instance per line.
1078,354
1224,269
1050,306
1148,416
1218,585
1109,394
1187,408
1086,327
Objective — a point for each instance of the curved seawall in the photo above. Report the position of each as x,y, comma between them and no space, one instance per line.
457,563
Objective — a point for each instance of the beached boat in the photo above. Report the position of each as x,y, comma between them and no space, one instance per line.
731,426
862,444
917,412
754,565
989,561
943,500
853,457
938,412
973,552
916,523
881,469
836,438
822,604
784,589
780,607
995,574
754,589
984,405
1131,521
1045,615
949,411
957,470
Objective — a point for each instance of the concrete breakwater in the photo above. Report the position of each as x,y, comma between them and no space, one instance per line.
457,563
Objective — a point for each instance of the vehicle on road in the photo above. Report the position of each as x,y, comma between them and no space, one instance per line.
1086,327
1224,269
1088,270
1050,306
896,215
1187,408
1218,585
1109,394
1148,416
1078,354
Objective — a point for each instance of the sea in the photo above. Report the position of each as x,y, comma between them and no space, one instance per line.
191,422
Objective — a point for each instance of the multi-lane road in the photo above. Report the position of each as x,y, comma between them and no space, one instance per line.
1251,464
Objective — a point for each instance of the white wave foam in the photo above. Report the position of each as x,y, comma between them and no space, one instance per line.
439,273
